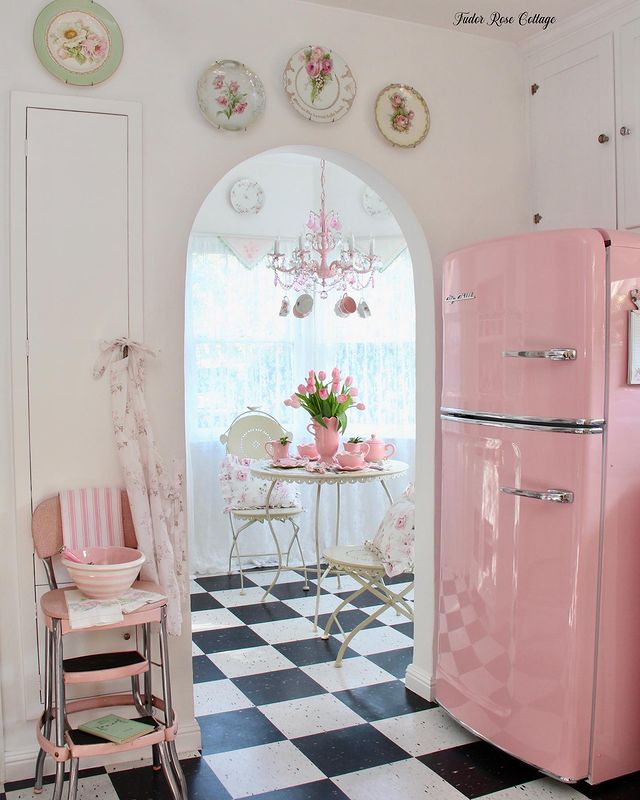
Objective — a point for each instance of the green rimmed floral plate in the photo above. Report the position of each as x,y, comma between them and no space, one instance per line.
79,43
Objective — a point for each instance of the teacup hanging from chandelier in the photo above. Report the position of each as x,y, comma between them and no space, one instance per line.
350,270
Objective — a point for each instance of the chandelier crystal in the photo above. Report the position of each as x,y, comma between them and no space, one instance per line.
310,267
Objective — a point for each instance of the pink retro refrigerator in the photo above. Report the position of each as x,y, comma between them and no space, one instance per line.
539,584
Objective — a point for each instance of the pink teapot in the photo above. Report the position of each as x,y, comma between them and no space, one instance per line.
379,449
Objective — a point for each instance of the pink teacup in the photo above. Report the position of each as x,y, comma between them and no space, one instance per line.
350,460
357,447
276,450
308,450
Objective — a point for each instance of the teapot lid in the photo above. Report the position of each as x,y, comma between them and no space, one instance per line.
374,438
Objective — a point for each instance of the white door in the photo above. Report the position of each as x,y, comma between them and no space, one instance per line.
80,279
628,126
571,106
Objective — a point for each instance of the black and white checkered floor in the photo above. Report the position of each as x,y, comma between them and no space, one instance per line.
280,722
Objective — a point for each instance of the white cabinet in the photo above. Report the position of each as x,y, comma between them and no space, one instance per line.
628,125
572,121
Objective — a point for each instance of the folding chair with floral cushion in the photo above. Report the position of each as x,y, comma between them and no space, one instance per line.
390,553
245,496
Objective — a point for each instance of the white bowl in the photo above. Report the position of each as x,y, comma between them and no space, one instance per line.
107,572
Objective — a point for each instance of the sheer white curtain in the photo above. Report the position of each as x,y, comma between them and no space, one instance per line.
239,352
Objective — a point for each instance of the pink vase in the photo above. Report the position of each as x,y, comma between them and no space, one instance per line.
327,439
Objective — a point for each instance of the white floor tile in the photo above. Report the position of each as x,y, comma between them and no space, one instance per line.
250,661
409,780
378,640
286,630
214,697
98,787
213,619
255,770
310,715
265,578
307,605
251,596
330,584
543,789
389,617
195,588
424,731
353,672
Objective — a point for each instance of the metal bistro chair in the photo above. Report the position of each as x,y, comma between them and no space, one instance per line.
246,438
67,743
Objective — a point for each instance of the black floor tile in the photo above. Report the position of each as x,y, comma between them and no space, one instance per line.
349,750
204,670
406,577
318,790
264,612
294,590
273,687
625,788
348,620
406,628
144,783
365,600
227,639
203,601
235,730
218,583
478,768
312,651
383,700
394,661
14,786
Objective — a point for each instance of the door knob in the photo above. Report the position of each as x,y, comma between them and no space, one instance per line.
624,131
603,138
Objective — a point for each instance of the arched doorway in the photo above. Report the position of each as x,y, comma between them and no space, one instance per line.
419,673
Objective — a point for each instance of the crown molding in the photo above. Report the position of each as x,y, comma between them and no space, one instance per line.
576,22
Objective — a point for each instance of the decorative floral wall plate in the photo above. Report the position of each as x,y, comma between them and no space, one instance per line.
246,196
402,115
319,84
79,43
230,95
373,204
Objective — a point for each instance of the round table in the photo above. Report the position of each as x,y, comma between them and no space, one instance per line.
264,471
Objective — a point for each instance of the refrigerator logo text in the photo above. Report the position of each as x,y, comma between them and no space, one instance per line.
454,298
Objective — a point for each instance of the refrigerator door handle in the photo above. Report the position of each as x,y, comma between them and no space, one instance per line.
550,495
554,354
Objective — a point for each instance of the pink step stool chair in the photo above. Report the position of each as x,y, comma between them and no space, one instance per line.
67,743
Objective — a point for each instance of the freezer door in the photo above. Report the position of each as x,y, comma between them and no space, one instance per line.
517,589
524,326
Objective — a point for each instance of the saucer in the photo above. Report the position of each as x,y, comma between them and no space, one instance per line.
287,463
352,469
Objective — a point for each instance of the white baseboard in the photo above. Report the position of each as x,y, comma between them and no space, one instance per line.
20,764
420,681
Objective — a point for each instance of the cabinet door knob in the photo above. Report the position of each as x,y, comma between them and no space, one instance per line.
603,138
624,131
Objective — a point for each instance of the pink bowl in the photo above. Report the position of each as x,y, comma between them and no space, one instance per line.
104,573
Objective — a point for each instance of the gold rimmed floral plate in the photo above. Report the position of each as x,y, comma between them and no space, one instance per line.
79,43
319,84
230,95
402,115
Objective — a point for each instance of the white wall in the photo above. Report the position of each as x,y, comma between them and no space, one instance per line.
464,183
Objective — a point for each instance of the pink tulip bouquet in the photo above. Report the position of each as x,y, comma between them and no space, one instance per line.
325,398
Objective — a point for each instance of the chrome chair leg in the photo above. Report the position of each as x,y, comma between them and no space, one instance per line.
170,749
73,778
48,710
168,773
148,694
59,705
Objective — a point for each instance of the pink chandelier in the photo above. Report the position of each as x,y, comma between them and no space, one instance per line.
310,267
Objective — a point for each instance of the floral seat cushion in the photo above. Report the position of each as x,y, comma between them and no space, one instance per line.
240,490
394,541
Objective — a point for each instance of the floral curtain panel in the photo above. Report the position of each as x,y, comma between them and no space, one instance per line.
239,353
155,493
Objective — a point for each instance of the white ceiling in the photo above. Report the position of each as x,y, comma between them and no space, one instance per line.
441,13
